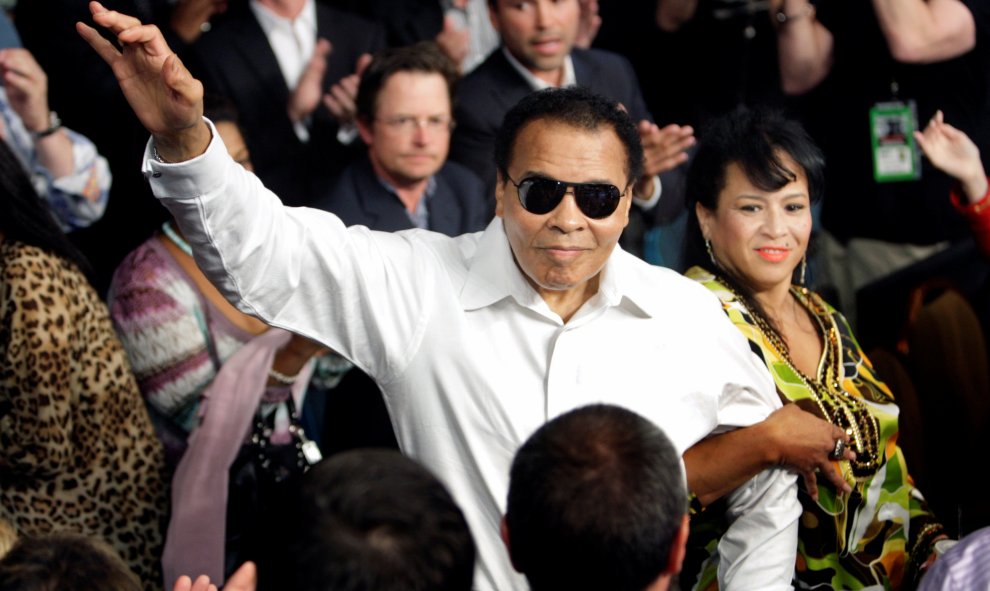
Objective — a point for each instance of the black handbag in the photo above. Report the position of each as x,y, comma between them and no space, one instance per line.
262,495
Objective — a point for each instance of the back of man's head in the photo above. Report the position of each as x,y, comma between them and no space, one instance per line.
597,501
374,520
65,562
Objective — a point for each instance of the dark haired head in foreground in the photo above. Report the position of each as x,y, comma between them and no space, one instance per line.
65,562
374,520
597,500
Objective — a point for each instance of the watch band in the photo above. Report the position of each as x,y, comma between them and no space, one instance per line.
54,124
782,18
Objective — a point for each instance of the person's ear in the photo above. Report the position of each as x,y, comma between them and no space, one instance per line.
503,530
704,216
493,17
364,130
500,201
678,547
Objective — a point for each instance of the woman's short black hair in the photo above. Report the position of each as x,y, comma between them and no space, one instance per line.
756,140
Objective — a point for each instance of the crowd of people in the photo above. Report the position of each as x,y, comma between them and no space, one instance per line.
476,295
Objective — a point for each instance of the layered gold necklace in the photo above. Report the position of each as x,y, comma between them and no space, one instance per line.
839,407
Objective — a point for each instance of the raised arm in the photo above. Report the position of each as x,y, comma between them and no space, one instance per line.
789,437
952,152
925,31
804,46
366,295
161,91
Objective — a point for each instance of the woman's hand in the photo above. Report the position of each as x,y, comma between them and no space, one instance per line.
952,152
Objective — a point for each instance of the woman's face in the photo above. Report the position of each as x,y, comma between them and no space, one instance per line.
759,237
236,147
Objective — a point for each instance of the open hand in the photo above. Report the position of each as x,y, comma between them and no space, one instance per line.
952,152
588,24
160,90
341,101
244,578
309,91
453,42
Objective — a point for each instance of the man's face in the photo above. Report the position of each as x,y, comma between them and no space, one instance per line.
538,33
409,137
564,249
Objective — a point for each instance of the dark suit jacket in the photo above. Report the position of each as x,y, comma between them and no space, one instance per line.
457,206
235,60
405,21
487,93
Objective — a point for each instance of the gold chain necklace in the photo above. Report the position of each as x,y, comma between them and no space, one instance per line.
838,407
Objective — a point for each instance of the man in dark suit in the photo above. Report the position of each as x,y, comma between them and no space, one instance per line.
404,116
260,57
538,50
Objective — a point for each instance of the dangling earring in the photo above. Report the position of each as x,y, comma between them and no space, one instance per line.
711,255
804,267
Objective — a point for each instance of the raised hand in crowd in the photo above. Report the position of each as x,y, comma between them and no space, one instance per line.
244,578
589,24
163,94
27,93
454,41
955,154
341,100
191,18
308,94
663,149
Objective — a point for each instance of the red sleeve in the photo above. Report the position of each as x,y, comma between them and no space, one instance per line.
978,216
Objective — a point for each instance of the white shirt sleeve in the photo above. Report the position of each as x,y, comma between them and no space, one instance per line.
364,294
760,547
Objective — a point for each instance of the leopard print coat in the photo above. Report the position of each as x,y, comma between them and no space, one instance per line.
77,449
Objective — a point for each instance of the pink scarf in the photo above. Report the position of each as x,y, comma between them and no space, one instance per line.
194,544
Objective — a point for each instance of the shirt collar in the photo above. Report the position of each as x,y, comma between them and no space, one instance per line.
421,217
269,21
493,276
536,83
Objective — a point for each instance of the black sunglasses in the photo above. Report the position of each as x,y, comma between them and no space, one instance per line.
541,195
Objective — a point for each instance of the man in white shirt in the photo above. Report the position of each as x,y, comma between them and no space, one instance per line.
478,340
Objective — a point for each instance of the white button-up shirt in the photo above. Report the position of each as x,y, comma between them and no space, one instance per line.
472,360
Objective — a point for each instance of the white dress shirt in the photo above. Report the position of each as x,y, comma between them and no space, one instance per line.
471,360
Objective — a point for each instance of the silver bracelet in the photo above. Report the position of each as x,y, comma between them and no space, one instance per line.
281,378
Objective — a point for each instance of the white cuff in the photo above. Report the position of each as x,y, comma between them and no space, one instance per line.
654,198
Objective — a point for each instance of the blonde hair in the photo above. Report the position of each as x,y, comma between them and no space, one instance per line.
8,536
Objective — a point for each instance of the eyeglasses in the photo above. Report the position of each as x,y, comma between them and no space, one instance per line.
408,124
540,195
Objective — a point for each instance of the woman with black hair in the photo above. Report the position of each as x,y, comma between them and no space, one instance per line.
77,450
750,189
